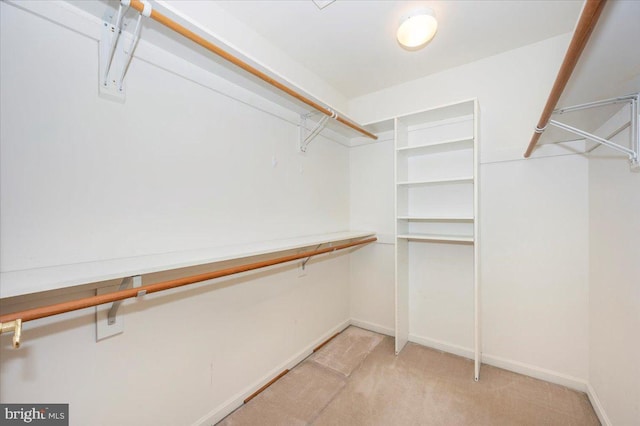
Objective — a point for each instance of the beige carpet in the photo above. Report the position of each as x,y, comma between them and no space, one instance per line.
357,379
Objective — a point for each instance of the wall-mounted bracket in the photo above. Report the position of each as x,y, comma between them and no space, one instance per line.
307,136
303,264
116,51
16,327
634,123
126,282
108,322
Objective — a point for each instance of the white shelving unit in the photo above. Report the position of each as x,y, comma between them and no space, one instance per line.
436,193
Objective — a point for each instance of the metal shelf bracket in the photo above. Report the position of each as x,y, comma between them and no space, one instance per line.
303,264
126,282
634,123
116,52
108,323
307,136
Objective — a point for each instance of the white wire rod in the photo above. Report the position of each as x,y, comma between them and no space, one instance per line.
632,154
619,99
610,136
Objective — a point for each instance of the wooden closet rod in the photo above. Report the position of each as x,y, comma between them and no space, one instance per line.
586,24
137,5
87,302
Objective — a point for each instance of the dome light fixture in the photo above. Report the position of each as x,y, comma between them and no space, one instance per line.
417,29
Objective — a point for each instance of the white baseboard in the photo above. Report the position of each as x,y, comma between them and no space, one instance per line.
597,406
227,407
442,346
535,372
373,327
506,364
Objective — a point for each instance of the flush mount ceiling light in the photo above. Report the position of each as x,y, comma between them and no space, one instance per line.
417,29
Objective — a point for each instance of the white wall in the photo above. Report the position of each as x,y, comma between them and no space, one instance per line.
614,289
178,166
534,265
372,208
534,244
117,180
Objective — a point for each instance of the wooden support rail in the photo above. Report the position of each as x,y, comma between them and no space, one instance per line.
164,20
586,24
87,302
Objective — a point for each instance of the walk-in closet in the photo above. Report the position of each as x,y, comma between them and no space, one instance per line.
319,212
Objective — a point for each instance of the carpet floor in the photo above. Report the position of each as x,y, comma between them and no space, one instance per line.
356,379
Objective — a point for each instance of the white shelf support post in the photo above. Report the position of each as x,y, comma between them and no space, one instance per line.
116,53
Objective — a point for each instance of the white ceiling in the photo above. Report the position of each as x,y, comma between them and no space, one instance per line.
351,43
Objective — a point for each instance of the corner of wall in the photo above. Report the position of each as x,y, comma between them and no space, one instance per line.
597,405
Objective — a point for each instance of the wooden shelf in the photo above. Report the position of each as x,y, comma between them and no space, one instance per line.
17,283
438,147
463,179
438,237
